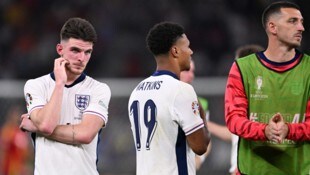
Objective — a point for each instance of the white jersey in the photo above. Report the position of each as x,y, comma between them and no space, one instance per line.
163,111
84,96
234,150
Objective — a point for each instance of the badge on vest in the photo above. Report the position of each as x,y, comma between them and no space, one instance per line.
258,91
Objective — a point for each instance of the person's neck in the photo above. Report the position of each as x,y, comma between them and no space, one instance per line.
280,54
71,78
168,68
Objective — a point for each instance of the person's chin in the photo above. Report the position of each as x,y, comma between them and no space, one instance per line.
297,44
76,71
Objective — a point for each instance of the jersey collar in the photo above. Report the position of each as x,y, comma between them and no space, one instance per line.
264,58
78,80
165,72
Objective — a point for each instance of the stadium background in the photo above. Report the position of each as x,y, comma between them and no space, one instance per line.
29,32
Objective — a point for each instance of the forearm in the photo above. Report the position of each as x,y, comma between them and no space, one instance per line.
203,117
299,131
71,134
239,124
82,133
47,118
74,134
219,131
65,134
62,133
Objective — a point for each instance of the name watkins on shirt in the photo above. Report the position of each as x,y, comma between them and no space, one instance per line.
154,85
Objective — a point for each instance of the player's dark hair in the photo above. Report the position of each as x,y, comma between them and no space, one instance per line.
162,37
247,50
276,8
78,28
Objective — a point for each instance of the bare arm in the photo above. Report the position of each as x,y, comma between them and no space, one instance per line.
200,159
219,131
200,139
47,118
82,133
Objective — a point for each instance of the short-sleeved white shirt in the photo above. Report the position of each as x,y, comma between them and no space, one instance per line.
163,111
84,96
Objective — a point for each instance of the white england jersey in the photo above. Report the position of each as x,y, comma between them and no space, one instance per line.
163,111
84,96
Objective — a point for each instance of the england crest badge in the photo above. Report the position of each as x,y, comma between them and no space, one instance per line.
82,101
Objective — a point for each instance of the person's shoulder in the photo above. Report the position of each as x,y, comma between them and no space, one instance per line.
96,82
39,80
247,57
97,86
185,86
305,59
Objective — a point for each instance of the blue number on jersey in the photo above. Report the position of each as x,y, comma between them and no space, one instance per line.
150,122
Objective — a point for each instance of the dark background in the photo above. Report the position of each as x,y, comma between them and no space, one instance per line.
29,32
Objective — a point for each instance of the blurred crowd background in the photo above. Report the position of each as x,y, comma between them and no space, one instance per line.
29,32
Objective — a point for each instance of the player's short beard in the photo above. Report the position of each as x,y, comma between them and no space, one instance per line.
292,44
72,71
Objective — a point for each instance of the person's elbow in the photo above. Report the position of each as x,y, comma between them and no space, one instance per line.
200,151
44,126
201,148
85,140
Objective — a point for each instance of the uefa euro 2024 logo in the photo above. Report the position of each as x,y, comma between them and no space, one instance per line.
259,82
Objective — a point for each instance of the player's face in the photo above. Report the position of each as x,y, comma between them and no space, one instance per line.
289,27
185,53
188,76
77,52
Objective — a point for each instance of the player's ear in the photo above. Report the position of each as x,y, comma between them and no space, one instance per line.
174,51
59,49
272,27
